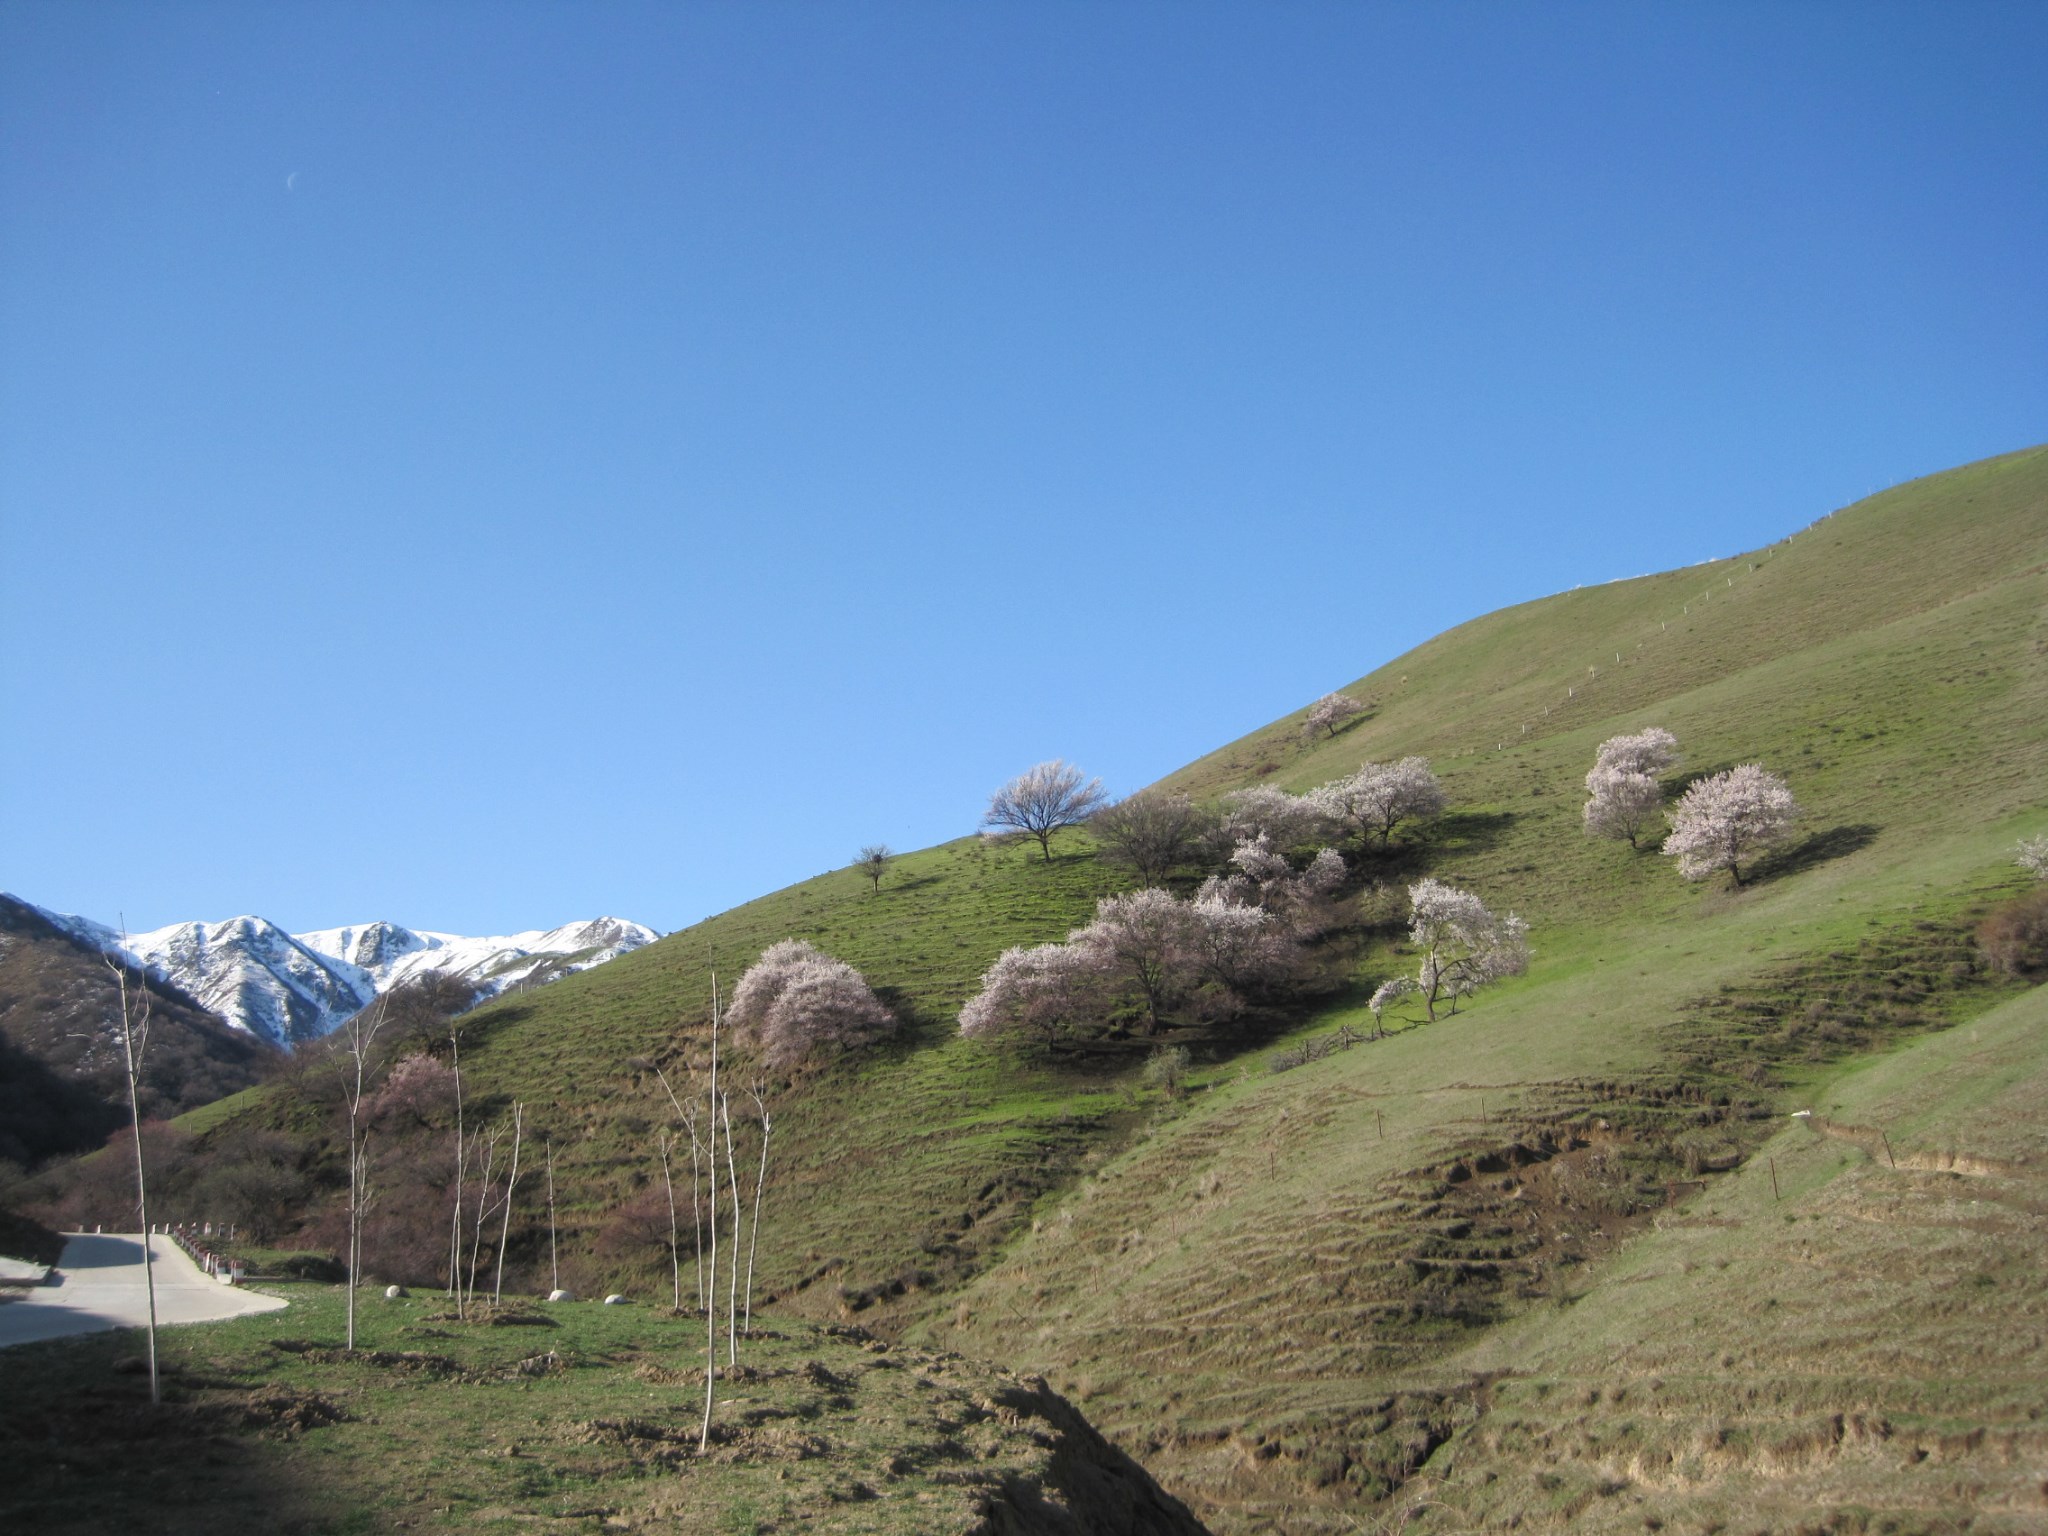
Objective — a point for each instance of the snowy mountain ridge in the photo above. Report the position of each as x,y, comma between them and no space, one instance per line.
289,988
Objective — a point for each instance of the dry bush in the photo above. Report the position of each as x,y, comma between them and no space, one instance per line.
2014,937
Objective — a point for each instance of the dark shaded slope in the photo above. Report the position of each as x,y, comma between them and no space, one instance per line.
62,1084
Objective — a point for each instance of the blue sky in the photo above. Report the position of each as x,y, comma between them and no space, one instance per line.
483,465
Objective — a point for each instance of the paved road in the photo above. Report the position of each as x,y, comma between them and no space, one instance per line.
99,1285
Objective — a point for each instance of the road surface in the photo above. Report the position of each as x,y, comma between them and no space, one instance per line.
99,1285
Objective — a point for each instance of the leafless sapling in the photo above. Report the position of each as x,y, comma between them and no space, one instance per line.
134,1041
358,1035
511,1183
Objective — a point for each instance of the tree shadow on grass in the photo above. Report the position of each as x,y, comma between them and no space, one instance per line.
1811,852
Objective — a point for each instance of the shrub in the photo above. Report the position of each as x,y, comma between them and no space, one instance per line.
2015,936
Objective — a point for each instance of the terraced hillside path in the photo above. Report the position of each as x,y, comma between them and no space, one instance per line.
99,1285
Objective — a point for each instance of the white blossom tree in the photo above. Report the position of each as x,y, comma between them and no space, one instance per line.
796,1000
1624,794
1385,996
1380,796
2032,854
1266,810
1623,803
1728,818
1464,946
1329,712
1040,801
1652,751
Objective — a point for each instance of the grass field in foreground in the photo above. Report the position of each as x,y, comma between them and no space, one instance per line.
575,1417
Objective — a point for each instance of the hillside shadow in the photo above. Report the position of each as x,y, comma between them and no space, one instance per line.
1469,831
1811,852
897,883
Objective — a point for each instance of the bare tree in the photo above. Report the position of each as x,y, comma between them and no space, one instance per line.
1041,800
455,1218
1152,833
711,1291
732,1181
760,1184
873,860
554,1260
134,1041
675,1247
358,1035
511,1183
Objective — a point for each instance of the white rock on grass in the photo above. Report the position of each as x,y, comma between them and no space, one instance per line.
393,1292
561,1295
615,1300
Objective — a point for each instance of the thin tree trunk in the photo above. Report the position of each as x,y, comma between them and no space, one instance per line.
696,1208
483,1211
711,1308
732,1301
133,1054
455,1217
760,1183
554,1260
675,1247
511,1182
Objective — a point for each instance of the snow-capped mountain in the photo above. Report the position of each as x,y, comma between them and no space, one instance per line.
292,987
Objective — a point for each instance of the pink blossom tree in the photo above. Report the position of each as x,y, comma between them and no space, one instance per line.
1329,712
1040,801
797,1000
1046,991
1464,946
1727,818
1140,938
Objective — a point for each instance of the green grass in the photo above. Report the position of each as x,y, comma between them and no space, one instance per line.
581,1417
1268,1289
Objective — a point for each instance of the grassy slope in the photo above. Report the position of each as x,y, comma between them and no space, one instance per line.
1868,1335
1215,1284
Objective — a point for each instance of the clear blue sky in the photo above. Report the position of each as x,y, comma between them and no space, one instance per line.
483,465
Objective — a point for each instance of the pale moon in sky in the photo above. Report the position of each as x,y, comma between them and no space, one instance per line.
289,180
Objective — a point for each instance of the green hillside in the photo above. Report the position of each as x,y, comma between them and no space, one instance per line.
1299,1297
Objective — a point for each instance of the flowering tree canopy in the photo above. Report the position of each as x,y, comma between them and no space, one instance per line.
1045,990
2033,856
1623,803
1239,937
1380,796
1041,800
1651,751
1727,818
1329,712
1284,820
1464,946
797,999
1623,784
